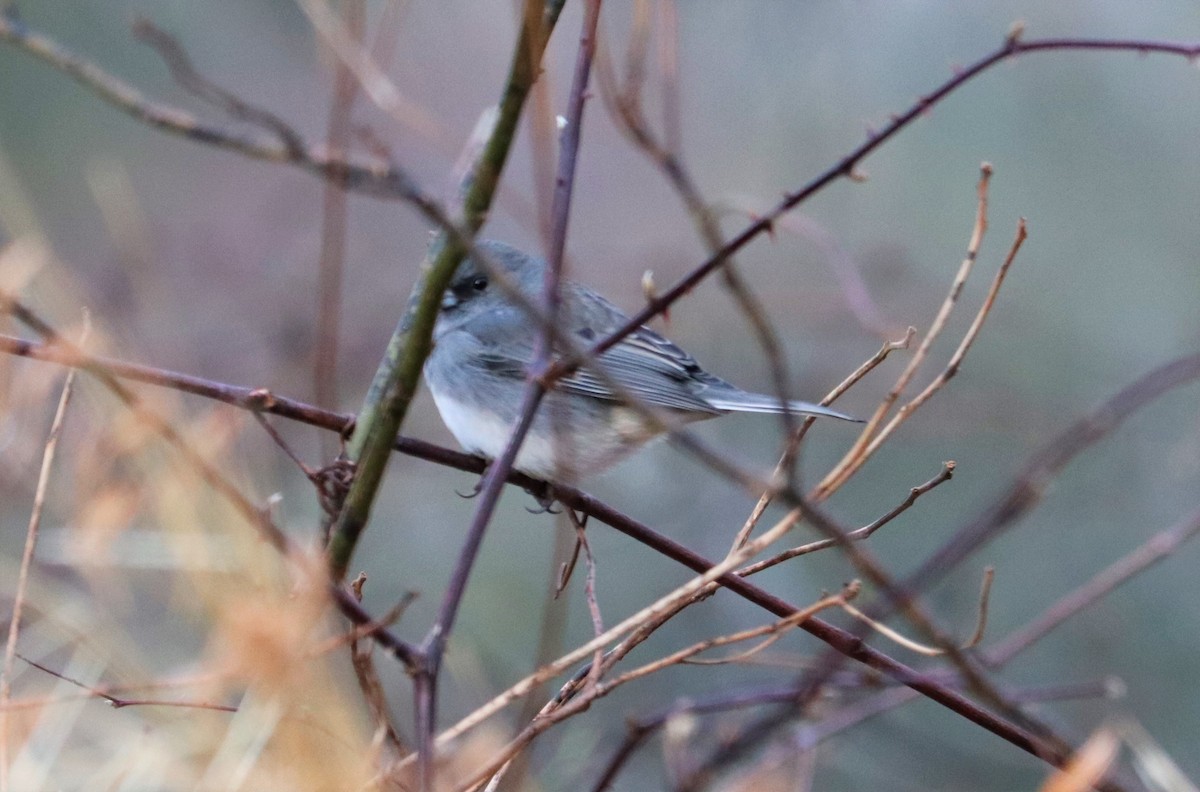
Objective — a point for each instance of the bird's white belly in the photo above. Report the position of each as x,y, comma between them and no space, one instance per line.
561,456
481,431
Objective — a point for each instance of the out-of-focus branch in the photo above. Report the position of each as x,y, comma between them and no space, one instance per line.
31,537
624,106
813,734
1153,550
344,38
385,181
433,647
1032,482
184,72
118,702
332,260
259,519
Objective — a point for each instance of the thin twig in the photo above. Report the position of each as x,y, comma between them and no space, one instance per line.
363,660
859,452
787,458
1044,465
626,109
582,695
708,573
858,534
951,369
641,729
773,632
208,472
31,537
360,631
1012,47
985,593
344,38
184,73
901,599
396,378
845,269
332,260
590,595
1032,482
390,183
565,707
119,702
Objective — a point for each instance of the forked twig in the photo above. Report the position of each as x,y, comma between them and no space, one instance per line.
906,410
866,442
985,593
793,446
858,534
118,702
184,73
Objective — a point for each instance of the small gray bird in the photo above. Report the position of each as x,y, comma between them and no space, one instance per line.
483,345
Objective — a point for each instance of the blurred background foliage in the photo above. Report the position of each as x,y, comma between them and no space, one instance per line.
197,260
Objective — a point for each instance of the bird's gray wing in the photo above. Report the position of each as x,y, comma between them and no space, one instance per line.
651,368
645,364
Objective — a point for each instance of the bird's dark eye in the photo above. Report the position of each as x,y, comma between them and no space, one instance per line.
479,284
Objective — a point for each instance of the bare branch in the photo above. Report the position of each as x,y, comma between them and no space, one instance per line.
787,459
118,703
985,593
1011,48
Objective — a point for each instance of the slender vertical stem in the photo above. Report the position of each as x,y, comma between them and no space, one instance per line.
333,230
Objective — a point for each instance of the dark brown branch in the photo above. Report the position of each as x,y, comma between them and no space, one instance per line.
184,73
845,167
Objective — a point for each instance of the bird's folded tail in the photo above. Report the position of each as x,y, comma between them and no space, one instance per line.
761,403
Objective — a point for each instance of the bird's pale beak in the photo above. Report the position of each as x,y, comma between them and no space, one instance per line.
449,300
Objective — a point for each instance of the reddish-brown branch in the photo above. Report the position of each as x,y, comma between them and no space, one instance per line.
1176,374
